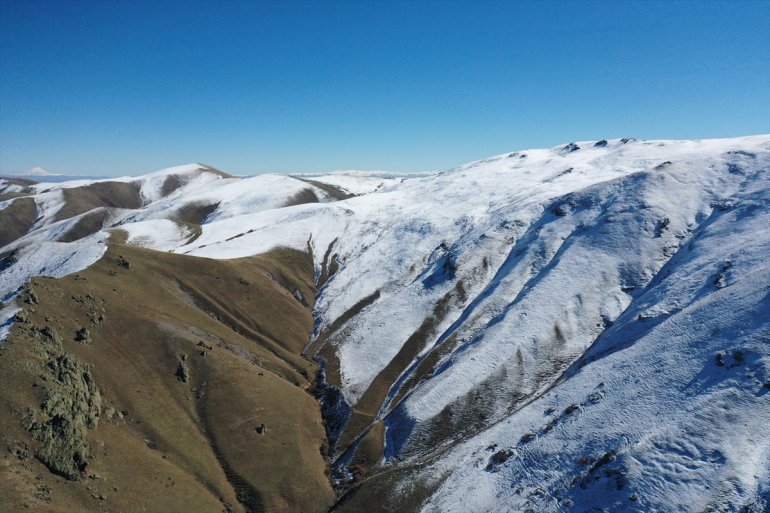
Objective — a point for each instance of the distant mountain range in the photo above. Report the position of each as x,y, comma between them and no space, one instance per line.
578,328
39,174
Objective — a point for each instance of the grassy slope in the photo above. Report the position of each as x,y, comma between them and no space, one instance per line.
338,193
395,490
16,219
189,446
182,446
87,225
78,200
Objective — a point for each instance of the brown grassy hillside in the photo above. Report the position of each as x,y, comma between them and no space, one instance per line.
16,219
160,382
78,200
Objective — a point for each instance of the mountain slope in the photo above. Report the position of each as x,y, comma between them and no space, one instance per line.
574,327
182,381
674,392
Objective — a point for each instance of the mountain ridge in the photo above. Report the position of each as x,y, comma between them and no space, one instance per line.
453,309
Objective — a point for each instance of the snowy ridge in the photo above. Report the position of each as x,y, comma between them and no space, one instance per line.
154,224
660,403
551,329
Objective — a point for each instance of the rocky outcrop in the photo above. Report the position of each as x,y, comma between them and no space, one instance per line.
71,406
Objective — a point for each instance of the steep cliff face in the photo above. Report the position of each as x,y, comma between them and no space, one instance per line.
574,327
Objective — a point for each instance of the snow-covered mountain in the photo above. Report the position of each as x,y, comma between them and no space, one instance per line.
584,326
37,171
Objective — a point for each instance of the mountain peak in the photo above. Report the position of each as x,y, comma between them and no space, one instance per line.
37,171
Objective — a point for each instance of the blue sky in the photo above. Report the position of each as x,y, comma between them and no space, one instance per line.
109,88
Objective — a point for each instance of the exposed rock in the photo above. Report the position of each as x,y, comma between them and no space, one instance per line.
720,280
21,450
569,148
571,409
49,336
527,437
562,209
498,459
97,318
122,262
299,297
182,370
606,458
112,413
31,297
82,335
595,397
43,493
71,406
720,359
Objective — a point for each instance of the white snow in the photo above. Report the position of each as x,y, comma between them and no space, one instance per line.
36,172
160,234
688,433
364,182
8,187
54,259
606,276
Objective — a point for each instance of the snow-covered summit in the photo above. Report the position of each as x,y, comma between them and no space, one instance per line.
37,171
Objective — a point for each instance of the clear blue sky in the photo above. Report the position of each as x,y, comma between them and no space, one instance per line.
110,88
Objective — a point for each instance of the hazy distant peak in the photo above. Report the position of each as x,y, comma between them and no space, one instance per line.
37,171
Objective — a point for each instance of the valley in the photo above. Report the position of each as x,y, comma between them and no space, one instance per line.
560,329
